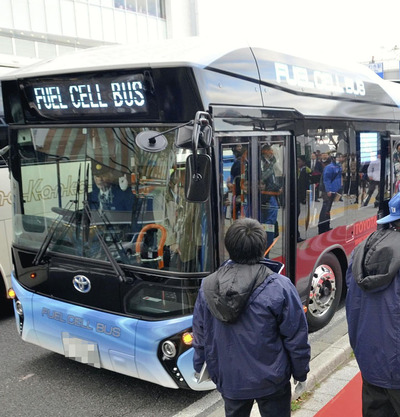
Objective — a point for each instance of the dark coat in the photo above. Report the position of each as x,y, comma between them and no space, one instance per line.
373,308
260,337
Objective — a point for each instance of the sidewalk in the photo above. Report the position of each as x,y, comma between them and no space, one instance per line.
338,396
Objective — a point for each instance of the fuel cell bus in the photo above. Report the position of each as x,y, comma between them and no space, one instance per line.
129,163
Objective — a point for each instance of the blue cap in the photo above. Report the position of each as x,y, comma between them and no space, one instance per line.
394,210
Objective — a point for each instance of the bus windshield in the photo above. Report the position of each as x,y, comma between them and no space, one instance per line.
93,193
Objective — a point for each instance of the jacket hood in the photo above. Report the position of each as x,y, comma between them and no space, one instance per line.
228,289
377,260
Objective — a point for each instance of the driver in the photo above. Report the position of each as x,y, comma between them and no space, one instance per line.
107,193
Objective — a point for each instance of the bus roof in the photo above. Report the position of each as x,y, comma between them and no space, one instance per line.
242,66
194,51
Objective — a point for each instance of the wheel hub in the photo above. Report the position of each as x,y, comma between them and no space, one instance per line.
323,290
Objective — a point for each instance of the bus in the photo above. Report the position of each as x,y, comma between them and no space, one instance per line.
129,163
5,216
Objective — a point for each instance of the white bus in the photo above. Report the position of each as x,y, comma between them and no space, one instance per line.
188,136
5,210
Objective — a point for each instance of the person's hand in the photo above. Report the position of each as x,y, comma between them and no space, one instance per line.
299,387
123,182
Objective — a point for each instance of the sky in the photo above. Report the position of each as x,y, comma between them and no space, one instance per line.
352,30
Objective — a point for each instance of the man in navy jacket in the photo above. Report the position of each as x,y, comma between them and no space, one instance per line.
250,328
373,315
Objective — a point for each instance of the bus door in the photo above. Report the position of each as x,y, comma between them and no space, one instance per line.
252,185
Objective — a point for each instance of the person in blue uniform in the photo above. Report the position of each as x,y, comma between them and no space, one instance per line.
332,185
107,193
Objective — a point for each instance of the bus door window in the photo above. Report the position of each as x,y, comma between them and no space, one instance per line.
371,162
238,182
327,182
271,185
234,183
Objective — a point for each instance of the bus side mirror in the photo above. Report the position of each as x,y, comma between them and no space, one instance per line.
198,178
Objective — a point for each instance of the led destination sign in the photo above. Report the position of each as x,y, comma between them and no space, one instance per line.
90,97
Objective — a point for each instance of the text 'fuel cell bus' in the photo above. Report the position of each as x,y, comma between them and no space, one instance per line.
128,164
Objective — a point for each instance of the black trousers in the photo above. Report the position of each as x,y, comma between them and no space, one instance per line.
324,222
380,402
274,405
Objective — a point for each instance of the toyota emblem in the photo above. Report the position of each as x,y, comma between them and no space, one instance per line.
81,283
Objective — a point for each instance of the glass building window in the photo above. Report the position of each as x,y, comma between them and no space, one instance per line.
46,50
152,7
6,46
119,4
62,49
25,48
142,6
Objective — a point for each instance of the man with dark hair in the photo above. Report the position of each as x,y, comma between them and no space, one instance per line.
373,311
250,328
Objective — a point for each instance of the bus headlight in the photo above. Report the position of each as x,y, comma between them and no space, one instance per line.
20,318
18,308
168,349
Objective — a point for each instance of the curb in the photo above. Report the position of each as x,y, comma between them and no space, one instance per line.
328,361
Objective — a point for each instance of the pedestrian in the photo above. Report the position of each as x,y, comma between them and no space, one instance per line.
374,176
373,315
332,187
270,192
250,328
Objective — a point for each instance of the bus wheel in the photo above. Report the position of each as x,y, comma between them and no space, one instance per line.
325,292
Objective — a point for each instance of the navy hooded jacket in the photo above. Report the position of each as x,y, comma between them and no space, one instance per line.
373,308
250,328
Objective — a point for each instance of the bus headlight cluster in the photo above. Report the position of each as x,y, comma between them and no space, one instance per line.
168,349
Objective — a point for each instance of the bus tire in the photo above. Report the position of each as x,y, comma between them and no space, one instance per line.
325,292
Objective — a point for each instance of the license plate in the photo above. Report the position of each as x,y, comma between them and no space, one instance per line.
81,350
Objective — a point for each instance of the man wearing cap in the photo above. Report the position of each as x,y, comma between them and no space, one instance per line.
373,314
106,194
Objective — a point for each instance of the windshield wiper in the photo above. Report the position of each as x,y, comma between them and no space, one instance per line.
46,242
87,220
63,212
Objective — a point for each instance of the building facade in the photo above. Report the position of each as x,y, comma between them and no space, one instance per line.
41,29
